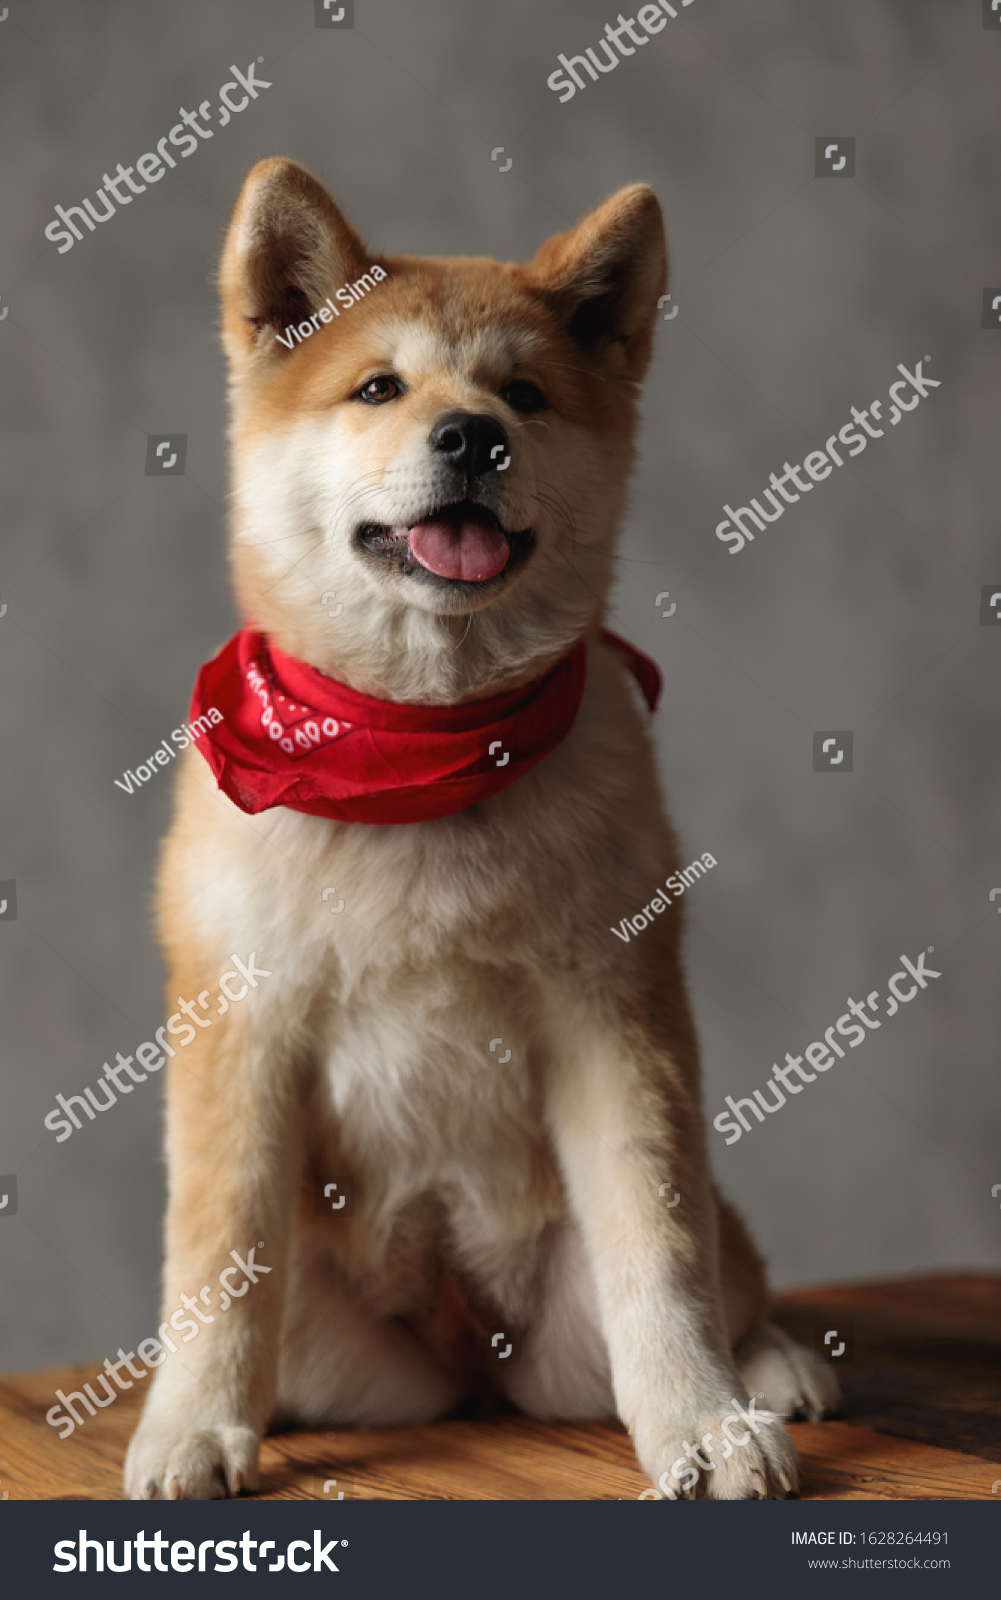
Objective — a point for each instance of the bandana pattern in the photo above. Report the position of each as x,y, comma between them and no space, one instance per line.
296,735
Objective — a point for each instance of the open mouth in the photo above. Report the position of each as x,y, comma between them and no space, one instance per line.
461,543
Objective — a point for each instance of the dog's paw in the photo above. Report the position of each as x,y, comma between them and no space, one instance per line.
790,1378
741,1454
169,1461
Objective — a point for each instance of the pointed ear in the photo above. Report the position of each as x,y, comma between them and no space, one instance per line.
288,247
603,278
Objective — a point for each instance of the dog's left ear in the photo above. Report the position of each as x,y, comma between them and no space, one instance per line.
287,248
603,278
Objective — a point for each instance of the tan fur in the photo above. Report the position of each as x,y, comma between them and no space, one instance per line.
488,1197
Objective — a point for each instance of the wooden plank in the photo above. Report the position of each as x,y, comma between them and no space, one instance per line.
35,1464
926,1363
843,1462
964,1305
498,1458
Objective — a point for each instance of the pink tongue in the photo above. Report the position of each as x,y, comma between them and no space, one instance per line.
459,550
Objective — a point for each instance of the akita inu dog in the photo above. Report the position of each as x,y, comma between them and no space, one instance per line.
501,1087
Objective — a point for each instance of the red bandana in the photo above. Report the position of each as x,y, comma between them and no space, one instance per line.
291,736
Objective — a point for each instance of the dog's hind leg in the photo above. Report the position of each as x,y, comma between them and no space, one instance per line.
562,1368
791,1379
742,1272
342,1363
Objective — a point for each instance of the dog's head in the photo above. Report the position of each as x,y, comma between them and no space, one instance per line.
430,465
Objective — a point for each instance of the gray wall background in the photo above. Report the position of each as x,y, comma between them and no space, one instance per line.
859,610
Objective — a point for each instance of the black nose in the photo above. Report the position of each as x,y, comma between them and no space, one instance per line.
472,443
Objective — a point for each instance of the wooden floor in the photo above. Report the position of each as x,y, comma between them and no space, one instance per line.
921,1374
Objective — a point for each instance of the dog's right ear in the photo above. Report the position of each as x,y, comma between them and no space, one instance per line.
288,247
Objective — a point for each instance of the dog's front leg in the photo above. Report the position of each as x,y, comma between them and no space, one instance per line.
231,1130
624,1111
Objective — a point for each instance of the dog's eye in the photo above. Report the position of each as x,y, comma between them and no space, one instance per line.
378,390
523,396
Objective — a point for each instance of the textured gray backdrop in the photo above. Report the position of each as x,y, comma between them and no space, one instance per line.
796,297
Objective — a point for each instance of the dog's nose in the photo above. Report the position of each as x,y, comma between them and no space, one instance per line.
469,441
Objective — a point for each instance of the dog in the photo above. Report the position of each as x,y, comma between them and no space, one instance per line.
501,1087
